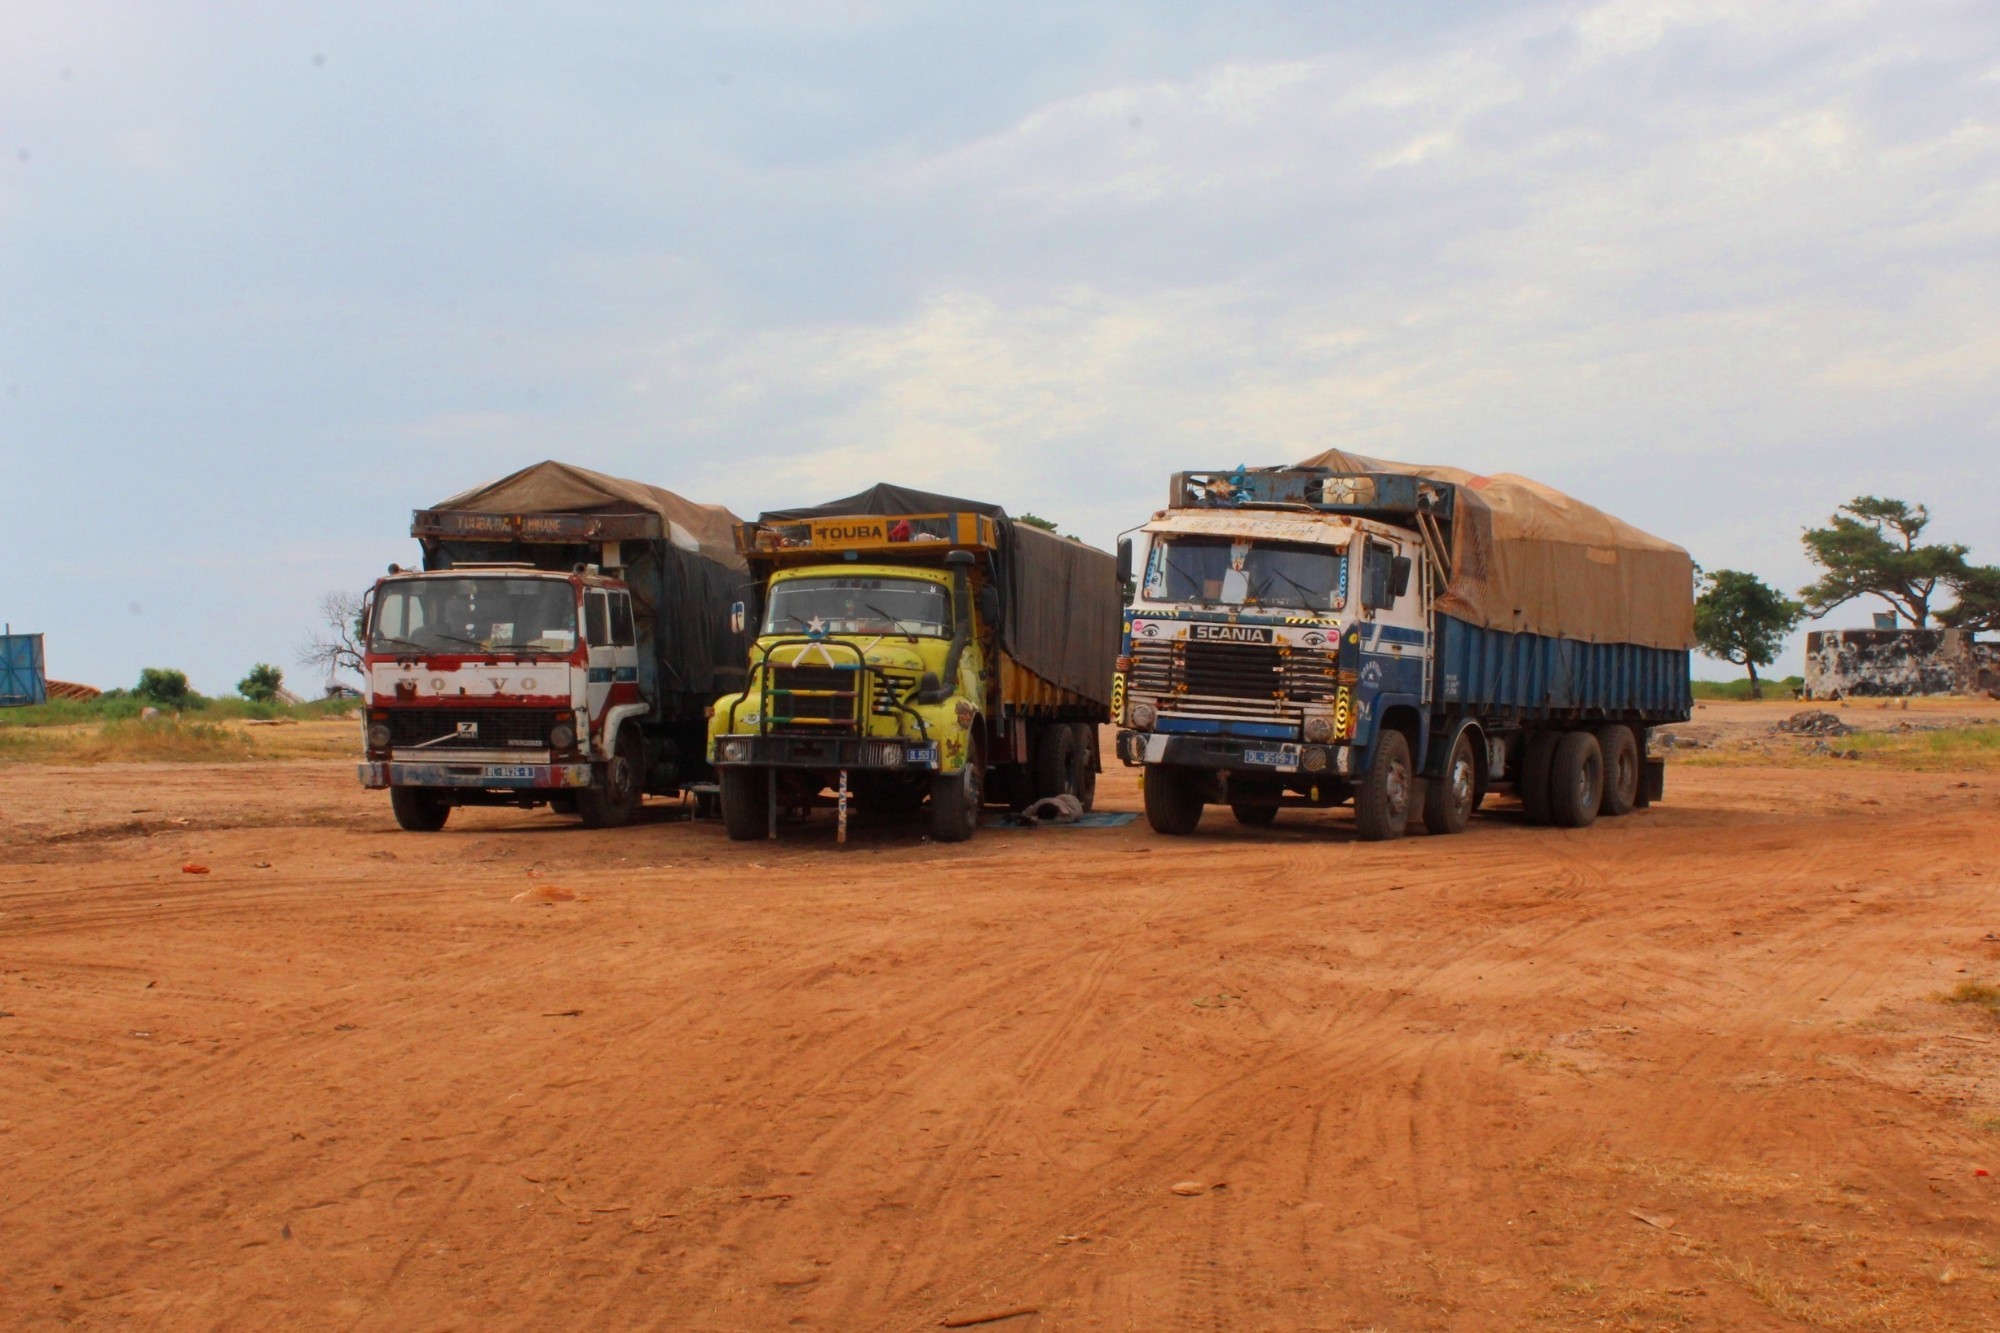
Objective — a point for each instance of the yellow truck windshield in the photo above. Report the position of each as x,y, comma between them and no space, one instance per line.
861,604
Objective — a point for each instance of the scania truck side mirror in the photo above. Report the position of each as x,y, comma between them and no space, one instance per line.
1125,569
1399,576
736,617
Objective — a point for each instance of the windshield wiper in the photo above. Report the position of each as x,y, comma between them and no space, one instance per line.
1192,581
896,626
1304,592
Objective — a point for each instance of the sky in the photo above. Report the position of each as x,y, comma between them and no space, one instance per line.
272,277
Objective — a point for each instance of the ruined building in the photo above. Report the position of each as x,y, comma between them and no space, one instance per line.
1861,662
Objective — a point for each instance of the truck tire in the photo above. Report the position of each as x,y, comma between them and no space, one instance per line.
1538,752
1576,780
956,799
745,797
1382,802
1086,763
1173,799
623,788
418,809
1452,795
1621,769
1056,760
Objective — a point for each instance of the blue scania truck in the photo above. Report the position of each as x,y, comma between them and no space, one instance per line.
1408,639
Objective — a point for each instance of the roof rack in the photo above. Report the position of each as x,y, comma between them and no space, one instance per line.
1369,494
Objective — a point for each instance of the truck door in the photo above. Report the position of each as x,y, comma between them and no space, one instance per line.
614,653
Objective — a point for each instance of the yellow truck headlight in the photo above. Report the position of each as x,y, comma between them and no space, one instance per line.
735,752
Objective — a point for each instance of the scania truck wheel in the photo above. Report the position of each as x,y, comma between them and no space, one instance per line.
1621,768
419,809
1382,804
746,802
617,799
1576,780
1173,799
1448,804
956,799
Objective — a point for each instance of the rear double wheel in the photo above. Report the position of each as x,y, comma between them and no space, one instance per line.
1576,780
1621,768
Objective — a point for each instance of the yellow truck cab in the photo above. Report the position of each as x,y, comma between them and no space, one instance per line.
915,651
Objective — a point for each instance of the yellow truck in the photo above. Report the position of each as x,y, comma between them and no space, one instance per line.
916,651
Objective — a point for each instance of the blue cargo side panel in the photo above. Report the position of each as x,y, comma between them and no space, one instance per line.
22,678
1534,676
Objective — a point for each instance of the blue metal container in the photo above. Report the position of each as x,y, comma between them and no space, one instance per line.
23,679
1531,677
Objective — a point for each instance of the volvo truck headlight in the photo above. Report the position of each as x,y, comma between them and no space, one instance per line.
1319,730
561,736
1143,716
378,736
735,752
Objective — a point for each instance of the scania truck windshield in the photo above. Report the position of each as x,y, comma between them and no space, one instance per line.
1218,571
859,605
474,614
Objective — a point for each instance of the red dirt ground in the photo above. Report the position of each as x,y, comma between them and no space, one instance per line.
1688,1069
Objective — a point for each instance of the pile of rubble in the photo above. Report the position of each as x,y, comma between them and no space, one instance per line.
1815,722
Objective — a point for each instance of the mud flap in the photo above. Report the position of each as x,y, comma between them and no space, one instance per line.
1652,782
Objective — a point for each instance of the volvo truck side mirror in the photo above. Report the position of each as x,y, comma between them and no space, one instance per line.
1399,576
736,617
1125,569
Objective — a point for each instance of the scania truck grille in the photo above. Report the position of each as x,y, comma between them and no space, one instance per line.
1230,679
471,728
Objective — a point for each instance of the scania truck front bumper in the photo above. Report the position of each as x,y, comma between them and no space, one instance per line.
1245,754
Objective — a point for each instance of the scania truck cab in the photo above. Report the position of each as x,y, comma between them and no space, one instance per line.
1286,644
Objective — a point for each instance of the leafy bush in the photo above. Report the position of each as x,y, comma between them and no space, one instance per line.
261,686
164,687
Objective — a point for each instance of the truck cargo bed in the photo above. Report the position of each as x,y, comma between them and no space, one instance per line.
1534,676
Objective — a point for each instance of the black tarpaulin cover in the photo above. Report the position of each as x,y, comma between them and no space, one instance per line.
1059,598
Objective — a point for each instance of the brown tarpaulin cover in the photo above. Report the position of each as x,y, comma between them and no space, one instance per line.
561,488
1527,557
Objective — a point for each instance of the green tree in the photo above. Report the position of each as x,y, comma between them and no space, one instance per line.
165,688
1977,589
1045,524
1742,619
1869,549
261,686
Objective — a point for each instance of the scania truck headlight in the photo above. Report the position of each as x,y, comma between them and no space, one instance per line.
1143,716
1319,730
